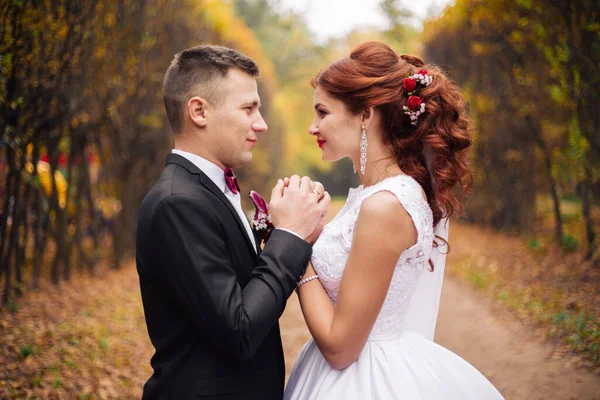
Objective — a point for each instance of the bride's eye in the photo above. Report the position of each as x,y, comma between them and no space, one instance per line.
321,112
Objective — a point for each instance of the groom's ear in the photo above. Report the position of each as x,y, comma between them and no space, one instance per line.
197,109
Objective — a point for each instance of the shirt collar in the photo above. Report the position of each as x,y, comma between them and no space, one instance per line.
213,171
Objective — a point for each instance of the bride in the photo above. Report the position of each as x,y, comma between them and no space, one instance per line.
370,296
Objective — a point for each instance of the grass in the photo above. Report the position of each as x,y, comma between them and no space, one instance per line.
574,234
26,351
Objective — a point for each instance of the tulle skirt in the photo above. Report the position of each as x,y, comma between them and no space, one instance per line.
407,366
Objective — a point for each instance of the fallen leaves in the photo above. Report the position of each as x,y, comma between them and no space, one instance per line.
87,339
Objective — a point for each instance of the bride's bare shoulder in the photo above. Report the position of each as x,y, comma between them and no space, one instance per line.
384,215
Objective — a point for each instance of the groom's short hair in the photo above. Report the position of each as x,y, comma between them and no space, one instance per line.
196,72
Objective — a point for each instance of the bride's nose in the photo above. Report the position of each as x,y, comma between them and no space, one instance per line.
313,130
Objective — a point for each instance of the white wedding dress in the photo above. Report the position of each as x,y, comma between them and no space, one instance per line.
396,362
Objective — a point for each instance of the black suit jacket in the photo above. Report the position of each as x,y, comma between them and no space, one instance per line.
211,303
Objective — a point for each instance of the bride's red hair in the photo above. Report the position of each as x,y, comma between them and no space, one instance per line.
372,77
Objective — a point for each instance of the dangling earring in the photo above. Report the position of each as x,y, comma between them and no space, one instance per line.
363,150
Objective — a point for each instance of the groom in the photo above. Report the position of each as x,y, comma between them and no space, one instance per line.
211,297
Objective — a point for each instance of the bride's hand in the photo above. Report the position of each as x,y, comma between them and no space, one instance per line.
314,185
312,238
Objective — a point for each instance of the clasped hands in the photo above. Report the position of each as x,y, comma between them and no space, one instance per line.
299,205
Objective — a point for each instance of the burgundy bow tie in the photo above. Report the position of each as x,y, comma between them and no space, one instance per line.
231,181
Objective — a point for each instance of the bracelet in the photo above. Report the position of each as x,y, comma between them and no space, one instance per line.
303,281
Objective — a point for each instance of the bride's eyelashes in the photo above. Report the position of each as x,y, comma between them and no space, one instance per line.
321,112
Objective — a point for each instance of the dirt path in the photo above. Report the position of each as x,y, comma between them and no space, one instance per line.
516,360
519,363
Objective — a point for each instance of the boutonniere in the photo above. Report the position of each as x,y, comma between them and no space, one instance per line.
261,224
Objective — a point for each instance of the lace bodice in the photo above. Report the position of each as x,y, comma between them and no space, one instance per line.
331,250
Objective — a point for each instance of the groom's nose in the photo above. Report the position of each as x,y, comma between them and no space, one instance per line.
259,125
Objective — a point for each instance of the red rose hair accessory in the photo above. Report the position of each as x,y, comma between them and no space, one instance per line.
414,105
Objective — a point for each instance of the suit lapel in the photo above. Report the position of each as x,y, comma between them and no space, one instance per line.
210,185
258,249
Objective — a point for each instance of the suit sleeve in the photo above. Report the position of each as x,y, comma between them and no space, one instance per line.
198,270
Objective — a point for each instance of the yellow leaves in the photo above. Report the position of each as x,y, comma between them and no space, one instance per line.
525,3
484,49
221,18
453,16
484,104
132,62
100,52
110,20
151,121
148,42
80,118
517,39
45,176
62,32
108,205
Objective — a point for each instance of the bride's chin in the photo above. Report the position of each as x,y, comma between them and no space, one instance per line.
327,156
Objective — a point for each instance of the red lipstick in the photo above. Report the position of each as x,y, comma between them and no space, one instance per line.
321,142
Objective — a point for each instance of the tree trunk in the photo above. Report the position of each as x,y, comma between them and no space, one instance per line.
590,234
13,243
94,221
68,248
59,235
13,238
67,258
60,242
22,244
7,204
117,241
40,239
535,131
82,258
77,237
558,225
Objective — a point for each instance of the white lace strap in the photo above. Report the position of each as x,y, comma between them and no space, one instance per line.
408,192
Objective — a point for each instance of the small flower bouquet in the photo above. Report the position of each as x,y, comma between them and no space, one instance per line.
261,224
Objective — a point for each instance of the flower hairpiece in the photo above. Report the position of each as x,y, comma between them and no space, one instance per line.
414,105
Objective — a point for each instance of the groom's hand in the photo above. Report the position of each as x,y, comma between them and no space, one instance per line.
297,207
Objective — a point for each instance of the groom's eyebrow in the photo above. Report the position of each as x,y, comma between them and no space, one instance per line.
255,103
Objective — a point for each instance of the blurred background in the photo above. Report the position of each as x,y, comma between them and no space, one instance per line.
83,136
